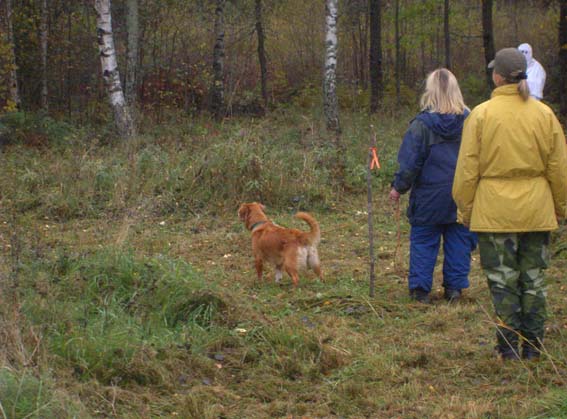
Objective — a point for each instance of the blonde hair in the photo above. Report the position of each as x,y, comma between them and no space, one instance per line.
442,93
523,89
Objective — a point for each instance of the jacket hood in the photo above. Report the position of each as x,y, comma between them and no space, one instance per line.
448,126
526,49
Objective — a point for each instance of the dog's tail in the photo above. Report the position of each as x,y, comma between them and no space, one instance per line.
313,236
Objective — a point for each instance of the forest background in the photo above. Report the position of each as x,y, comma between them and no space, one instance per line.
126,279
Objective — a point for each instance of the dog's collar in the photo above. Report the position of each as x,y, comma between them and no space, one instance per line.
259,223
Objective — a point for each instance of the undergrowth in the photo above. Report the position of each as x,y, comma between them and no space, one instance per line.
287,164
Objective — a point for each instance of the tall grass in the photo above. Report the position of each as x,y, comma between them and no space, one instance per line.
287,163
22,395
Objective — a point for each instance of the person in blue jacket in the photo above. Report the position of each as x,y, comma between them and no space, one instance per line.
427,160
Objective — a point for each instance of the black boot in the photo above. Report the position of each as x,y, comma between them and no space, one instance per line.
420,295
508,345
508,353
452,295
531,350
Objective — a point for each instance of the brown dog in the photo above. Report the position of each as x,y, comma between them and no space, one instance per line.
287,248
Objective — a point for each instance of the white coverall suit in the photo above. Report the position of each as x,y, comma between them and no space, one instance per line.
536,73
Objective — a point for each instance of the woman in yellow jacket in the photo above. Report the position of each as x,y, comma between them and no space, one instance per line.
510,187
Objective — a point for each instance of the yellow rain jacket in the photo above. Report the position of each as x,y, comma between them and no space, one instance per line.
511,173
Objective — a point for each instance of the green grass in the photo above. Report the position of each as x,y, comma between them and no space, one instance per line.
23,395
129,290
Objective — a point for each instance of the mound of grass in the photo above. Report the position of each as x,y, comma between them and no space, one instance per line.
114,309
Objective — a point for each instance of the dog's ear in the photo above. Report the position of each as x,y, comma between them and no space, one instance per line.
243,212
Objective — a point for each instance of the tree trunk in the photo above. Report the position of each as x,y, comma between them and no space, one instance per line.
15,101
217,90
397,41
446,14
44,38
356,73
133,28
375,58
363,39
69,71
110,73
262,52
330,102
364,52
563,58
487,39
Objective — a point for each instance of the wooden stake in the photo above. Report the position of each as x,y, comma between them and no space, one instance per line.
369,210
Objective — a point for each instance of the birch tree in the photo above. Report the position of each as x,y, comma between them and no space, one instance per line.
15,101
44,38
133,28
217,90
375,58
261,51
330,102
110,74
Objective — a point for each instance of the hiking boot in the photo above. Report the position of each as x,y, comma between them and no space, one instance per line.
508,353
452,295
420,295
531,351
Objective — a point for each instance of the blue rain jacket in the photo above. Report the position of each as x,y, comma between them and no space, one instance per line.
427,160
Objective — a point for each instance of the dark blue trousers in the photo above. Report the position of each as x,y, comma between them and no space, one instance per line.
458,243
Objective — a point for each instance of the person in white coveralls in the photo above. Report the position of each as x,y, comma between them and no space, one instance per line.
536,73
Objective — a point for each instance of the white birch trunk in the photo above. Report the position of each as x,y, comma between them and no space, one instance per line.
15,100
330,103
43,42
110,74
133,27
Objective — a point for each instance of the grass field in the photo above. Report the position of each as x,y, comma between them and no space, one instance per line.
128,290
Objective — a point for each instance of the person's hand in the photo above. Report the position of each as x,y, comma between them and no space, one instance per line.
394,195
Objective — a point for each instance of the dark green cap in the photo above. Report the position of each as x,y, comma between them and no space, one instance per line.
510,64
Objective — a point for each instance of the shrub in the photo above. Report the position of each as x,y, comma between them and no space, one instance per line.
34,129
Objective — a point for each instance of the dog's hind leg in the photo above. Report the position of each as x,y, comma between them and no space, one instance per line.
279,273
259,268
313,263
317,270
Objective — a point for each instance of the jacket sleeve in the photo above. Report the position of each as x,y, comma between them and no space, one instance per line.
411,157
467,172
556,171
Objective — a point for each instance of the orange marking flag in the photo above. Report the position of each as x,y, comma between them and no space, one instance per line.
374,162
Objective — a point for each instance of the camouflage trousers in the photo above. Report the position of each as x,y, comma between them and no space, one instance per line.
514,264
